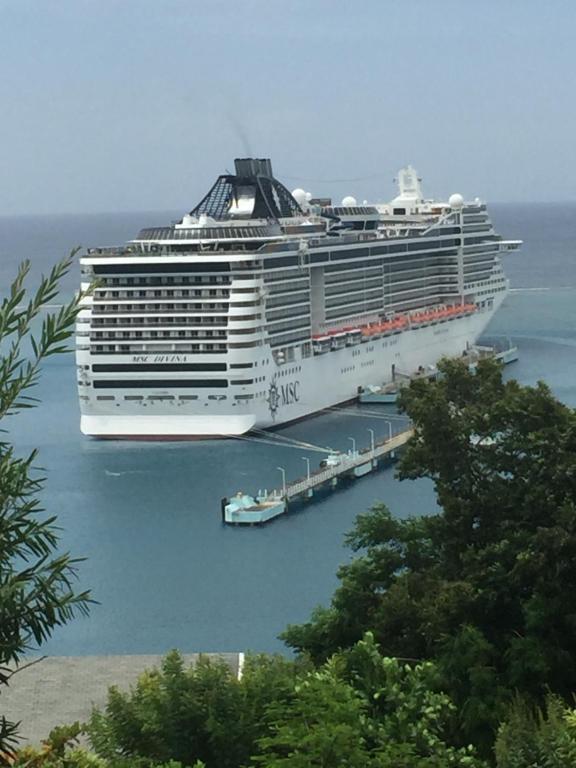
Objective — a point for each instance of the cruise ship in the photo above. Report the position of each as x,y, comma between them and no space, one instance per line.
262,306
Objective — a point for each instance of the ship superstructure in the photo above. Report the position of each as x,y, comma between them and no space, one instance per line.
261,306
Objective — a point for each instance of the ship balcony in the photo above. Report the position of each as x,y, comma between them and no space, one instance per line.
253,296
108,312
197,341
111,250
509,245
240,283
473,226
161,327
152,303
133,326
238,324
201,332
138,294
250,311
155,348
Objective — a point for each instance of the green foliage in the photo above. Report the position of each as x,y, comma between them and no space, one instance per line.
266,681
531,737
363,709
36,584
322,725
200,713
357,709
486,587
61,750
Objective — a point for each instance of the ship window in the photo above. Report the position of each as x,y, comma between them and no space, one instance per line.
159,383
129,367
105,397
399,211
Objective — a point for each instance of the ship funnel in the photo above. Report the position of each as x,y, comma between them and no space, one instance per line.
251,166
252,193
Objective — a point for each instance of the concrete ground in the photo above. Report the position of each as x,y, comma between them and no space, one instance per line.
56,690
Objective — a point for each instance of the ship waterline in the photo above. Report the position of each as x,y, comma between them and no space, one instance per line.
261,307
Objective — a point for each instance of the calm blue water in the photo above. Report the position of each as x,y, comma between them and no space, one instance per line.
147,516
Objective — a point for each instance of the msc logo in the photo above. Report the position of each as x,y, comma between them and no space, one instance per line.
290,392
283,394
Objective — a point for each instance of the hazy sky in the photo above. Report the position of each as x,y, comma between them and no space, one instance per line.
117,105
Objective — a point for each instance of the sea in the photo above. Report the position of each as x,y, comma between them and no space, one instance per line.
164,570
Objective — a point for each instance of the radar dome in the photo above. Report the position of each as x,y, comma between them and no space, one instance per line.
299,195
349,201
456,201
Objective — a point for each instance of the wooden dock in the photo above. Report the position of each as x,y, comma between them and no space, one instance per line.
243,509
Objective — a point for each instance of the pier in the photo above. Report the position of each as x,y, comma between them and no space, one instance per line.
243,509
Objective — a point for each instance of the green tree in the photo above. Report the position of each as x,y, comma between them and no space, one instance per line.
198,713
357,709
486,587
534,737
61,750
323,725
36,582
267,680
362,709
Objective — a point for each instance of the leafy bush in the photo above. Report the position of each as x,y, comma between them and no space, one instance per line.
357,709
361,709
532,737
200,713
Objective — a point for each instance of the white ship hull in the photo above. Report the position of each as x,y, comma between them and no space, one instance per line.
292,391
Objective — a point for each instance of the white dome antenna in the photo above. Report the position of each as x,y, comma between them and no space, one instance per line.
456,201
349,201
300,196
